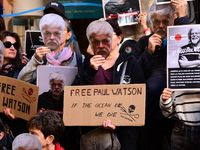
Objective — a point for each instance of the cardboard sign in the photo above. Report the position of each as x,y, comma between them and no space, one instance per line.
21,97
124,105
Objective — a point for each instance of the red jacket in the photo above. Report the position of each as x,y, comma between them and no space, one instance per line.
58,147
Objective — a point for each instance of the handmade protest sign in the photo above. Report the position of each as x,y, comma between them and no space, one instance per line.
21,97
91,105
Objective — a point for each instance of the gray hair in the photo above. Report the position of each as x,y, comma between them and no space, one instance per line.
163,9
26,141
51,20
99,27
1,47
57,76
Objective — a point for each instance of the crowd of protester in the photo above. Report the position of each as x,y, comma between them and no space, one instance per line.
113,59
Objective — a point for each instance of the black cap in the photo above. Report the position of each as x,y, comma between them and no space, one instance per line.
57,7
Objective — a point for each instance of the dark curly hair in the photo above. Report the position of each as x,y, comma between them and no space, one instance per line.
115,27
4,34
49,123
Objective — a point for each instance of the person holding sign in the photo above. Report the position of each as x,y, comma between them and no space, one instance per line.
55,52
150,51
108,66
58,8
12,65
184,107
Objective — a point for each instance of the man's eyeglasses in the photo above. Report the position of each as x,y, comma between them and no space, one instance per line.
8,44
58,84
48,34
97,42
157,22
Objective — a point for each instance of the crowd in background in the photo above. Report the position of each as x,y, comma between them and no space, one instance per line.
171,117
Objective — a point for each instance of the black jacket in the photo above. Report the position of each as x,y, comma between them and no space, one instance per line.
133,73
154,67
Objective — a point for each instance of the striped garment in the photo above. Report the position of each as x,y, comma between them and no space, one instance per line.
183,106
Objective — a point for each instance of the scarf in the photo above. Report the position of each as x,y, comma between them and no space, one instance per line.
56,59
8,70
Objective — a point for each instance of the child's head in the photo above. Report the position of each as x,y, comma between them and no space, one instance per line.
47,126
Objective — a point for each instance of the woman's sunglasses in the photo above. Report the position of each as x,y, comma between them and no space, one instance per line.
8,44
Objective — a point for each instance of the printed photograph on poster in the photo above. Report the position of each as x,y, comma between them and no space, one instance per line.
33,40
54,78
124,11
183,57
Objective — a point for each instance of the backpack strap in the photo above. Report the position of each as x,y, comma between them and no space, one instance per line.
79,59
123,72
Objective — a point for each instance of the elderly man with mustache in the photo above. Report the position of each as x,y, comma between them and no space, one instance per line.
189,54
151,53
55,52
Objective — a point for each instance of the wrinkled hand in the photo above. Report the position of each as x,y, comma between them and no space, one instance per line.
40,52
181,7
96,61
107,125
24,60
166,94
8,114
154,40
143,20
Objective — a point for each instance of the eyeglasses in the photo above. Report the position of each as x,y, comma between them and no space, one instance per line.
48,34
8,44
58,84
97,42
157,22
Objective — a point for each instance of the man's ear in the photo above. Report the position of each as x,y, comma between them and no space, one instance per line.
50,139
69,34
1,135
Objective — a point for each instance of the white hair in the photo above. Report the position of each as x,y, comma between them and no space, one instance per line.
51,20
57,76
26,141
163,9
99,27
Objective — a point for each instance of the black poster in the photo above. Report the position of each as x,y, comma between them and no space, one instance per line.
33,40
